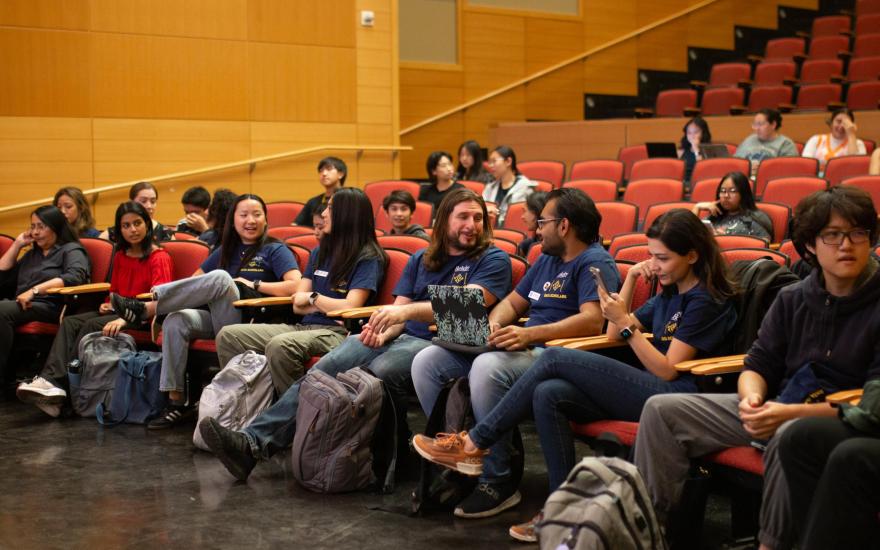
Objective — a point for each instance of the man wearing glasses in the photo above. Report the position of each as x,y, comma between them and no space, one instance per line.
819,336
559,295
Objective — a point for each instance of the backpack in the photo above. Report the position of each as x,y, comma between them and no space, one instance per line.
237,394
603,503
98,357
337,422
136,395
760,282
441,489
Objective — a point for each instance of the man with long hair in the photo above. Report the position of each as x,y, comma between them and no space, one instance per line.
460,253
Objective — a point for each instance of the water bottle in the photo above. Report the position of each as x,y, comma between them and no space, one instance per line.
74,372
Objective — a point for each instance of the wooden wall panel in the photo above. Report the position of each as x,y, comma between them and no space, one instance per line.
324,23
50,14
225,19
176,77
42,73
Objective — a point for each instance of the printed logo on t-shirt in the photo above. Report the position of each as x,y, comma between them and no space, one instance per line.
257,264
670,328
552,288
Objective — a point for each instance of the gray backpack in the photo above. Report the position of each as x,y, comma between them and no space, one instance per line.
237,394
99,357
335,423
602,504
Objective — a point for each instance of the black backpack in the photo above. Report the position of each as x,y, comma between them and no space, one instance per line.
441,489
759,282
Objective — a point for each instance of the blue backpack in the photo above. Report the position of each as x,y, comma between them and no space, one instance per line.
136,396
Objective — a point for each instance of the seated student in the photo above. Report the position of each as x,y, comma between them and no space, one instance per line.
318,221
831,465
247,261
814,335
73,204
138,265
509,185
690,319
470,163
534,205
344,272
332,172
461,254
840,142
734,212
146,195
696,132
766,141
442,179
56,259
195,201
559,296
399,207
217,213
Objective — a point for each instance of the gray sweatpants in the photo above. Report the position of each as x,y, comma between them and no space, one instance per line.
675,428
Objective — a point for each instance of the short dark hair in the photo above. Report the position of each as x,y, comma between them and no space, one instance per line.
432,162
580,211
140,186
772,115
399,196
814,211
334,162
52,218
197,196
841,111
536,202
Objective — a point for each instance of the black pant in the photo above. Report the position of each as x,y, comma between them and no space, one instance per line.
11,315
833,474
64,348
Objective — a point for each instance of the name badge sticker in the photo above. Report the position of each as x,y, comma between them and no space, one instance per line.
320,273
534,295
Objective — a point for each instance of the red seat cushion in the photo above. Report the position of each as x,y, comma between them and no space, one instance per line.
626,431
747,459
312,362
208,346
37,328
141,337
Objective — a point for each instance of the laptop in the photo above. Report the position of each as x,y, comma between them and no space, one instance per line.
461,318
661,150
714,151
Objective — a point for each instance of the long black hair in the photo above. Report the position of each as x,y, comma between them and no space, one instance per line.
705,134
743,188
231,239
52,218
131,207
352,235
476,172
219,209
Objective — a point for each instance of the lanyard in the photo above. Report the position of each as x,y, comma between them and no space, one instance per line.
831,153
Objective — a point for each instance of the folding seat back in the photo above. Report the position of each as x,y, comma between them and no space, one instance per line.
598,190
769,97
397,260
475,186
630,155
867,45
784,48
187,257
5,242
626,239
830,25
864,68
729,75
513,219
827,47
378,190
302,255
518,268
100,253
787,247
409,243
780,215
422,216
309,242
674,102
791,190
284,232
657,168
658,209
841,168
863,95
751,254
705,190
643,291
867,7
551,171
871,184
650,191
818,96
867,24
773,73
718,101
282,213
542,186
505,245
633,253
534,252
617,217
782,167
870,144
726,242
718,167
597,169
819,71
511,234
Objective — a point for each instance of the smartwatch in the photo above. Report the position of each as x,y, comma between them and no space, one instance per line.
257,285
313,297
627,332
36,291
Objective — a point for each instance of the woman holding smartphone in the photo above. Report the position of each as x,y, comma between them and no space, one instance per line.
734,212
691,318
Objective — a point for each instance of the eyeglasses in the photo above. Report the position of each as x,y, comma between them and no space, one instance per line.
542,221
856,236
733,191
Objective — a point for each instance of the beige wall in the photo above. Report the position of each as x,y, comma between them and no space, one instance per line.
500,46
95,92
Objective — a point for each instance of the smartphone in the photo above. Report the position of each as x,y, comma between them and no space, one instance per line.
600,282
707,222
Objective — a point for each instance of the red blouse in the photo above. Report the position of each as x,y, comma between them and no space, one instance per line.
133,276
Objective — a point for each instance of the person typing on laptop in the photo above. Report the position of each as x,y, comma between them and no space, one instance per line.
461,253
560,297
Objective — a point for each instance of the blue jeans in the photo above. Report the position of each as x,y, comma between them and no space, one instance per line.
490,376
274,428
565,385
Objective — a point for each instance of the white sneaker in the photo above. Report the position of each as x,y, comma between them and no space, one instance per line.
40,391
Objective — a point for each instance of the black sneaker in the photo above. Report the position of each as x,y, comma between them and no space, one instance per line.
487,500
171,416
133,311
231,448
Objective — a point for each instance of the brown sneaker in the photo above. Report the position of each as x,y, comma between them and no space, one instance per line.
448,450
525,532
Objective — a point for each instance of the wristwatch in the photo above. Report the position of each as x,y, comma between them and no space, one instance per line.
313,297
257,285
627,332
36,291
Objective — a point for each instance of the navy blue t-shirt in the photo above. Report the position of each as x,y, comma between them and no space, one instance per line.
694,318
268,265
366,275
490,271
556,289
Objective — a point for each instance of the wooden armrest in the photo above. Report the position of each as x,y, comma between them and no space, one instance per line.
359,312
726,367
264,302
692,111
786,107
147,296
851,397
835,105
685,366
737,109
55,290
754,59
775,246
643,113
699,84
590,343
91,288
606,242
